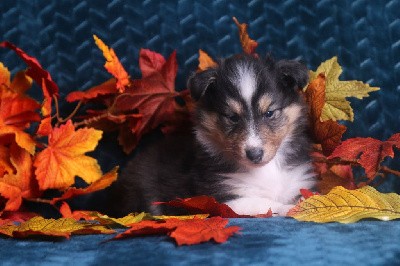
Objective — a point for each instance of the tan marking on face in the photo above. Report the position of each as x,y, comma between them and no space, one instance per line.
293,112
263,103
235,106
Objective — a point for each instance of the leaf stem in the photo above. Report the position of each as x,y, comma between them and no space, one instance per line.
90,120
388,170
63,120
40,200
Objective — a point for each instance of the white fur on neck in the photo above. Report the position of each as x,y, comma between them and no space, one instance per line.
272,186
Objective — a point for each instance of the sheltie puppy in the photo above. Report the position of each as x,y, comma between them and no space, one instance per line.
249,148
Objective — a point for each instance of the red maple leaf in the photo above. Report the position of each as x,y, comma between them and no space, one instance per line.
207,204
185,232
368,152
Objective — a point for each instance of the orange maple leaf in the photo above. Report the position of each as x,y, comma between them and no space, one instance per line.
105,181
113,65
185,232
368,152
10,197
249,46
17,112
21,175
328,133
63,159
205,61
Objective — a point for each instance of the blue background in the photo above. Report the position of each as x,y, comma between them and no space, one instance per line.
365,35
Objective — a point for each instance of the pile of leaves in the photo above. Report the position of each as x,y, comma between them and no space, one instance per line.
42,151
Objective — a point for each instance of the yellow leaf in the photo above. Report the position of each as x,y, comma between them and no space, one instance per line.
182,217
62,227
336,106
123,221
348,206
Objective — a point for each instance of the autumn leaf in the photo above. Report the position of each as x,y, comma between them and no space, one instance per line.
205,61
35,70
348,206
122,222
63,158
153,95
17,112
63,227
10,197
207,205
66,212
327,133
113,65
101,183
336,106
22,175
368,152
185,232
106,88
249,46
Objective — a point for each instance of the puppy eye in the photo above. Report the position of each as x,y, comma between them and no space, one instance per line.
269,114
234,118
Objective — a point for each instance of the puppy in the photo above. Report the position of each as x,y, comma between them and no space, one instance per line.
249,147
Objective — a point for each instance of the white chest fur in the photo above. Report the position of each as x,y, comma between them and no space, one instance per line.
270,186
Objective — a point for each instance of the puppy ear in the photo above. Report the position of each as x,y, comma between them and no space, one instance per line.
293,73
199,82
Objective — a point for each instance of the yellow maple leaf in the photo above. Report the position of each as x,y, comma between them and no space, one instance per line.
336,106
63,159
348,206
62,227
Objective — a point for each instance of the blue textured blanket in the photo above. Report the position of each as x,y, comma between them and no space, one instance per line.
274,241
365,35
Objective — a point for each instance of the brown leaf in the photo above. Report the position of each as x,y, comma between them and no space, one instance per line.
249,46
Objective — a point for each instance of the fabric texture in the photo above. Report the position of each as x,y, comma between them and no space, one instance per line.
274,241
365,35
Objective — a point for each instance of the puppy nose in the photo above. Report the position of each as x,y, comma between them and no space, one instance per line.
254,154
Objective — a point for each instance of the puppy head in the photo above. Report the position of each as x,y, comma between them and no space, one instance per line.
247,107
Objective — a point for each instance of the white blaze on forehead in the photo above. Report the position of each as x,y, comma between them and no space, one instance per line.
246,82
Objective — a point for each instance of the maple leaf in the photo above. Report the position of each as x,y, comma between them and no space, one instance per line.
328,133
153,95
208,205
63,158
185,232
336,106
20,83
106,88
12,196
249,46
63,227
17,112
66,212
113,65
35,70
22,177
348,206
205,61
368,152
101,183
